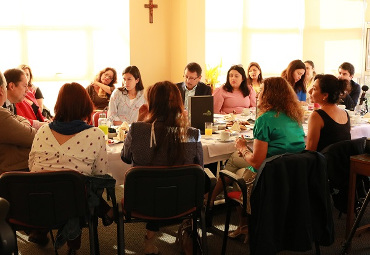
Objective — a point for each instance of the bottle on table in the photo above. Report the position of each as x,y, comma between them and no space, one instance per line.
103,124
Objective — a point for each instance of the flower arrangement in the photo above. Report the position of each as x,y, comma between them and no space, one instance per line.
212,74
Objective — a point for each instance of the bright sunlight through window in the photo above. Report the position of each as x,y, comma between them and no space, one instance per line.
64,41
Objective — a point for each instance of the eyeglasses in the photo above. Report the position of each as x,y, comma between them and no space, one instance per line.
108,76
190,78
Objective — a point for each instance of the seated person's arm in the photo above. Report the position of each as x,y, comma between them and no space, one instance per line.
126,154
348,101
355,94
104,87
258,155
218,101
18,130
113,110
315,124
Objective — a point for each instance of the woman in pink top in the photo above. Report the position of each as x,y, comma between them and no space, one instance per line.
235,94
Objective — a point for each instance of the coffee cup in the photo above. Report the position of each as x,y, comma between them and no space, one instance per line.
224,136
246,111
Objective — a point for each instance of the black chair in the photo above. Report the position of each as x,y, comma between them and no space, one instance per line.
7,236
160,193
48,200
338,165
290,205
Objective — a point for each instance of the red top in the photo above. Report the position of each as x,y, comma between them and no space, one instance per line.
25,109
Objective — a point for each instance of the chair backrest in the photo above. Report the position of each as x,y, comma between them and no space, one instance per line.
7,236
290,203
44,199
338,159
163,192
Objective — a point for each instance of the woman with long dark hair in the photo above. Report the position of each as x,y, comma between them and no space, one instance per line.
125,101
235,94
162,137
295,74
254,77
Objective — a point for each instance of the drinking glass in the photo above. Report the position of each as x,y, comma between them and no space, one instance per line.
208,129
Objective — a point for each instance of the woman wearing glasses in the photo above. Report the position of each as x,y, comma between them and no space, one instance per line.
102,87
235,94
126,101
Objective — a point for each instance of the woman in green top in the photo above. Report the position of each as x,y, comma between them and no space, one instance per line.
277,130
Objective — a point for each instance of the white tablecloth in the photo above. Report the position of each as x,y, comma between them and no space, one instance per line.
358,131
213,150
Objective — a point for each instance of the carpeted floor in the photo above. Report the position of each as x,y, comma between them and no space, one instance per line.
134,235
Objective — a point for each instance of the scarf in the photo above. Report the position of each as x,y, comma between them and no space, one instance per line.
69,128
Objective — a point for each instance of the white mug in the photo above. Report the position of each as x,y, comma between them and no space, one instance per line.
246,111
224,136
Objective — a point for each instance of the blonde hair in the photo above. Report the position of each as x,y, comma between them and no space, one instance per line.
278,95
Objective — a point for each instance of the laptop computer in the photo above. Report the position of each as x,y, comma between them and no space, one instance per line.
200,111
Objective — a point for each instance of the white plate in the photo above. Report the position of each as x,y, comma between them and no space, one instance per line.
227,141
217,115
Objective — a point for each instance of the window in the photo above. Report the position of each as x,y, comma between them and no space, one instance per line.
64,41
273,33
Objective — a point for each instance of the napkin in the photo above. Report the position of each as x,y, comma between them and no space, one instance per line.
124,126
236,127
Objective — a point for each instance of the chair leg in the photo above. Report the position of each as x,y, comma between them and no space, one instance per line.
96,238
317,247
195,233
226,231
204,232
120,235
92,235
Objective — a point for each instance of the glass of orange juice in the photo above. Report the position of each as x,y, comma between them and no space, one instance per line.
208,129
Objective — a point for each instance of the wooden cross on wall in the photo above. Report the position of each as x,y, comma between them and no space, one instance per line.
151,6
